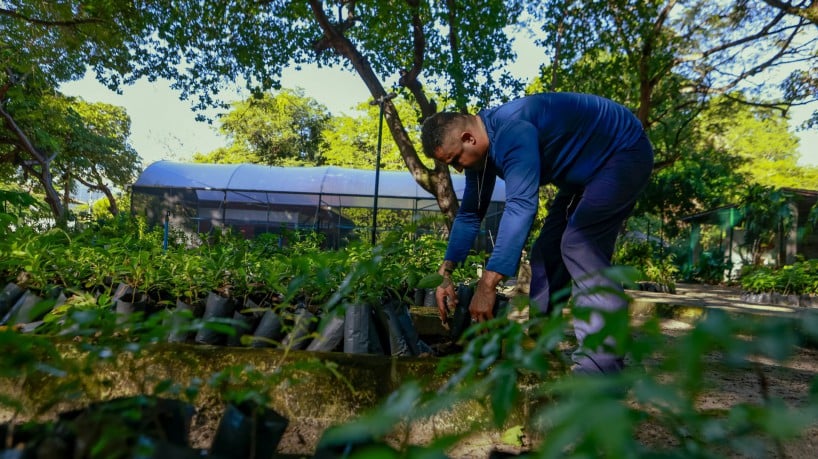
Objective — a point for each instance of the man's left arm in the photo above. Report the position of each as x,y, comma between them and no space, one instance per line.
521,168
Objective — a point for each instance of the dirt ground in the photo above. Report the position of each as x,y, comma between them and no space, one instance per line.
727,387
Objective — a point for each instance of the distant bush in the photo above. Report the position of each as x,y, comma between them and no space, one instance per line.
795,279
709,269
652,260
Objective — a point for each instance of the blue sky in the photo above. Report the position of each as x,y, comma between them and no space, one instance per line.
165,127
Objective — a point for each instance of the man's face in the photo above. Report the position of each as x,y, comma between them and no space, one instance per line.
461,152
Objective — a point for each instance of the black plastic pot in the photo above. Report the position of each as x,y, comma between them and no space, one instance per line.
269,330
403,337
361,335
429,299
304,323
248,431
242,325
216,307
418,295
128,301
244,322
501,305
179,320
26,306
27,300
31,307
461,319
10,294
153,417
331,334
29,313
407,327
357,322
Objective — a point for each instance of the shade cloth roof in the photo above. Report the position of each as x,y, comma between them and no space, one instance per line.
398,189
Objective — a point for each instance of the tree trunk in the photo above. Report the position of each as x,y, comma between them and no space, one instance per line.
112,205
44,174
66,192
436,181
52,197
100,186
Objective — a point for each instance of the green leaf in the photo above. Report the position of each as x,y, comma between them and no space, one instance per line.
514,436
430,281
504,393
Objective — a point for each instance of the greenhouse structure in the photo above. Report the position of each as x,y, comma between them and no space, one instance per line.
255,199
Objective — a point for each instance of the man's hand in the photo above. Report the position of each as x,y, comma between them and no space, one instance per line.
482,304
485,294
443,292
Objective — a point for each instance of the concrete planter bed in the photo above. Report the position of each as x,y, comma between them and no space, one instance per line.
312,390
317,377
778,299
309,392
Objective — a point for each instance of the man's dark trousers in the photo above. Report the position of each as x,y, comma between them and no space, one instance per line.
577,242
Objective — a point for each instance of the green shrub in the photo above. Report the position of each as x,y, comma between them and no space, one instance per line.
709,269
649,258
664,383
795,279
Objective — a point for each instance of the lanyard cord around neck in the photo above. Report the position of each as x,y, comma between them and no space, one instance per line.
480,182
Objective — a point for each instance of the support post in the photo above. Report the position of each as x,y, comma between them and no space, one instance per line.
379,102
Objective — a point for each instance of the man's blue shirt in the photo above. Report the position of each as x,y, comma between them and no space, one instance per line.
560,138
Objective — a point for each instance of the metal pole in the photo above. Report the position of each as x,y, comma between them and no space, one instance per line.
379,101
167,231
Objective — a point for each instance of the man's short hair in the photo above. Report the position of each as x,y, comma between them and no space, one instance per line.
437,127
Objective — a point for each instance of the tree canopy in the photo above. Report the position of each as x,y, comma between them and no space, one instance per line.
282,129
665,59
288,127
49,136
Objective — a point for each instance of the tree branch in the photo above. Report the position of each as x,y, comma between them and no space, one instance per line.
809,12
761,33
409,78
22,139
436,181
781,107
758,68
44,22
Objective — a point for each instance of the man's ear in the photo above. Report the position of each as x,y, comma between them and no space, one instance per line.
467,137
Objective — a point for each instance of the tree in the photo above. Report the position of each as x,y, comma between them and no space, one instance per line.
352,141
805,9
34,155
275,124
459,48
99,154
281,129
759,138
45,43
665,59
70,142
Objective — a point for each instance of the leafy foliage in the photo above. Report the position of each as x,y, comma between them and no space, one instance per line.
796,279
711,267
281,130
766,212
504,363
655,262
